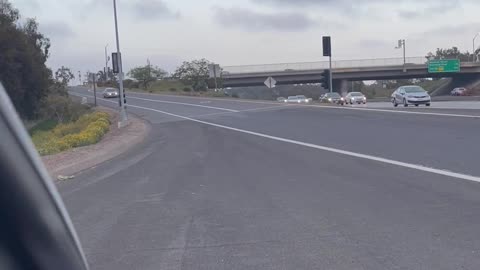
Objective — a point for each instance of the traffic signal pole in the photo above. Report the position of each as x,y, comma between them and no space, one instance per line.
330,77
327,51
123,112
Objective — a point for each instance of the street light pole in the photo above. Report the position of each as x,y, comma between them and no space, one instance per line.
473,51
401,44
123,112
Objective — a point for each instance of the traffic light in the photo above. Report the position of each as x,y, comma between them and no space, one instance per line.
325,80
327,46
124,98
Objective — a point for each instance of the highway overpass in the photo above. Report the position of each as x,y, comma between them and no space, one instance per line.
343,71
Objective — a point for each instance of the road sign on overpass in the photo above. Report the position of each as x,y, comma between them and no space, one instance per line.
444,65
270,82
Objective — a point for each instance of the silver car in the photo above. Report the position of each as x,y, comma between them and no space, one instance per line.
410,94
355,97
110,93
298,99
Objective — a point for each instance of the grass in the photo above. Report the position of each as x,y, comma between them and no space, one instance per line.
162,86
173,87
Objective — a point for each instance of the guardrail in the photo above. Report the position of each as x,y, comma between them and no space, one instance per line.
379,62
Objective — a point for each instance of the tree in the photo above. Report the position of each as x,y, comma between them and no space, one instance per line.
24,52
194,73
64,75
147,74
452,53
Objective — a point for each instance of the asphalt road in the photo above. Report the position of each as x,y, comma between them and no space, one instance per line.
225,184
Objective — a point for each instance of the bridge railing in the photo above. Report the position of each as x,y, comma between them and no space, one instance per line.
379,62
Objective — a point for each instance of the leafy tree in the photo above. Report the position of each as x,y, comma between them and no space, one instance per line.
147,74
24,52
452,53
194,73
64,75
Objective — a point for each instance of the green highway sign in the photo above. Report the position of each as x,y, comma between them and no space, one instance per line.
443,65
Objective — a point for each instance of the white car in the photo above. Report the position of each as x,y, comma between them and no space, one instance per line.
298,99
355,97
110,93
411,94
459,91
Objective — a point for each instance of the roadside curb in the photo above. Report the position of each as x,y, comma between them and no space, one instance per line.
66,165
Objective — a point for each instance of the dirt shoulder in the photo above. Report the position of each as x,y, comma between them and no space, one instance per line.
114,143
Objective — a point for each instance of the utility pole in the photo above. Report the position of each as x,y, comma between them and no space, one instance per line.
149,69
123,112
94,89
473,51
106,64
215,77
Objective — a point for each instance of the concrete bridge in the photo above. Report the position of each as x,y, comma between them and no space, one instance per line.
342,72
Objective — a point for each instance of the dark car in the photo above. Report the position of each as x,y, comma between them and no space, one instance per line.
332,98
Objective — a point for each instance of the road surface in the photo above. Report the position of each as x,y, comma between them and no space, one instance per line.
225,184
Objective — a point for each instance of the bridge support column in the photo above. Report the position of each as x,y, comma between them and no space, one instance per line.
341,86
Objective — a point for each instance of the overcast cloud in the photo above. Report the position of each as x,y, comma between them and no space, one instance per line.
152,10
249,20
242,32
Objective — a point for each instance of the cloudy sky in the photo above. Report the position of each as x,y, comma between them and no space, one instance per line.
242,32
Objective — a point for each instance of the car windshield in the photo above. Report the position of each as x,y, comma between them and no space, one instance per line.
413,89
252,134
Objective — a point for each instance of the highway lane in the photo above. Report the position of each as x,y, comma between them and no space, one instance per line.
420,139
196,196
440,105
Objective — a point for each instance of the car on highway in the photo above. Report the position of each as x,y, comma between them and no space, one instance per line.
355,97
459,91
110,93
332,98
298,99
410,94
281,99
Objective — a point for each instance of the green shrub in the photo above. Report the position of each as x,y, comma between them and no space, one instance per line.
173,89
187,89
44,125
88,129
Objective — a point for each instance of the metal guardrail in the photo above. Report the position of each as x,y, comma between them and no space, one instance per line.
379,62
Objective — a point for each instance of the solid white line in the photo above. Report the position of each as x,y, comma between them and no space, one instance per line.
185,104
394,111
325,148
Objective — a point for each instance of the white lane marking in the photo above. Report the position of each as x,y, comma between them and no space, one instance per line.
326,148
248,110
185,104
206,98
394,111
